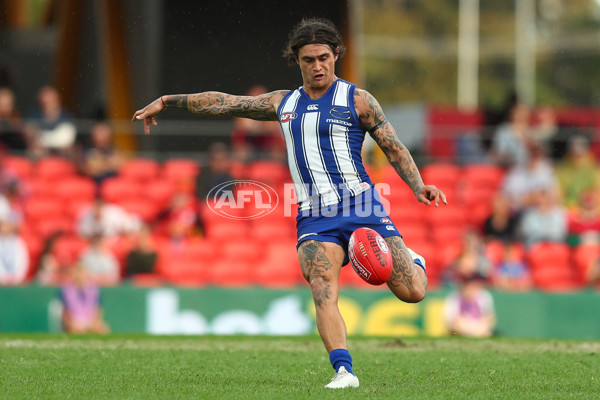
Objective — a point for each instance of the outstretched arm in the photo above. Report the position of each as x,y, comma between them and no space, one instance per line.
263,107
373,121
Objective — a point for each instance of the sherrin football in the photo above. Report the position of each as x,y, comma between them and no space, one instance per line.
370,256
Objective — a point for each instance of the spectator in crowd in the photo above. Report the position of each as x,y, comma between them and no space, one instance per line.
472,258
14,258
546,128
52,266
108,220
143,255
525,179
509,142
469,311
264,138
11,124
584,221
502,224
82,308
181,219
8,179
101,160
512,274
545,221
99,263
577,171
50,129
593,272
215,172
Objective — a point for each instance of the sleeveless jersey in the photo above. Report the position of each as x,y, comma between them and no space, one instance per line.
324,141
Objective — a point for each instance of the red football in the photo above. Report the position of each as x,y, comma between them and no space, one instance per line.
370,256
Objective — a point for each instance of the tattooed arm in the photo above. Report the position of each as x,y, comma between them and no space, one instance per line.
263,107
373,121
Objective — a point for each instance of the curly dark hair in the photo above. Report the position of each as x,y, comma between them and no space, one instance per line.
313,31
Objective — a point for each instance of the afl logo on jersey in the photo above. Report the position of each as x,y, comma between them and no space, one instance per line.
288,116
340,113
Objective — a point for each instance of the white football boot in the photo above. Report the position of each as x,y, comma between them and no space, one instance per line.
343,379
416,257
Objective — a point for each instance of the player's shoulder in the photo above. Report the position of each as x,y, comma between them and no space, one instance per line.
363,99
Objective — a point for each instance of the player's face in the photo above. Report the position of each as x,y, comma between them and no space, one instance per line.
317,64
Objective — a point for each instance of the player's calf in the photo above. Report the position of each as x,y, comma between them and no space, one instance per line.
409,279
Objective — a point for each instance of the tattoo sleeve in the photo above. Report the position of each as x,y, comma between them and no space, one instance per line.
315,264
373,121
261,107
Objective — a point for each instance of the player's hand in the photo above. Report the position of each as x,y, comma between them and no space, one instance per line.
149,113
429,194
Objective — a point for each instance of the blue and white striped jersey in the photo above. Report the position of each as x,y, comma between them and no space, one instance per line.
324,141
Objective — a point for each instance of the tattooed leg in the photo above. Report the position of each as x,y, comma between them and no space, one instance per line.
408,281
321,263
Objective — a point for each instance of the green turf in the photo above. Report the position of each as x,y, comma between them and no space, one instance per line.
144,367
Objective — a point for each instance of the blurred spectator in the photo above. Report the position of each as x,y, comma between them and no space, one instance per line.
14,258
215,172
181,219
101,160
11,124
264,138
577,171
50,129
472,258
469,311
584,221
509,141
546,128
52,267
8,179
100,264
545,221
523,180
512,273
503,222
142,257
593,272
82,309
108,220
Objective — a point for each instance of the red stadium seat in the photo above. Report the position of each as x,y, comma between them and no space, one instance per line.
79,188
41,187
410,213
53,168
279,266
20,166
584,256
115,189
38,208
248,250
550,265
140,170
232,272
143,208
272,232
68,248
160,192
483,175
269,172
225,229
49,225
446,215
443,175
180,168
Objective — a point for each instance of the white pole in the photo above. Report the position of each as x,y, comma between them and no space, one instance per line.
525,50
468,55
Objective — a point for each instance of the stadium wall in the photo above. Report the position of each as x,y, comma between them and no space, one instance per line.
258,311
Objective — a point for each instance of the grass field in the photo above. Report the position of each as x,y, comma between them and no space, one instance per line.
145,367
